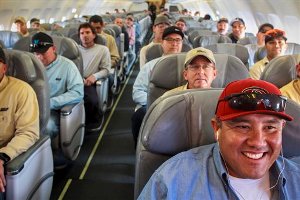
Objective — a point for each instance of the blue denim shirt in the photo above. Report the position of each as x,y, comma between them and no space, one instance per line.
200,174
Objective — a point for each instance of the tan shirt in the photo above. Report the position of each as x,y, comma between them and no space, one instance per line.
180,88
19,116
113,49
292,90
257,69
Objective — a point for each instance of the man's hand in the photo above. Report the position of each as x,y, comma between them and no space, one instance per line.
2,177
90,80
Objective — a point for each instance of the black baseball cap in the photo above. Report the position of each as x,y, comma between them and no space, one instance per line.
172,29
40,42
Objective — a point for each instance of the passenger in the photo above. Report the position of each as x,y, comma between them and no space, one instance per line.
181,24
172,43
138,33
119,21
97,22
21,26
222,26
96,65
292,89
275,44
65,81
238,30
245,163
19,118
35,23
160,23
261,33
131,33
200,70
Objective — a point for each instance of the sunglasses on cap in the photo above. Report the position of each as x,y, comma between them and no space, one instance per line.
41,45
255,101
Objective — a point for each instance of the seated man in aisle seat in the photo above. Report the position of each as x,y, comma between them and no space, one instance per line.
292,89
238,29
222,26
65,81
119,21
181,24
21,26
245,163
261,33
160,24
96,65
200,70
97,22
275,43
19,118
172,43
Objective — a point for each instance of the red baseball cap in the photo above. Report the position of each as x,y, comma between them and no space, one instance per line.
224,110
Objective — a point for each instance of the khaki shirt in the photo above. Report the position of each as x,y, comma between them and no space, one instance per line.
292,90
113,49
257,69
19,117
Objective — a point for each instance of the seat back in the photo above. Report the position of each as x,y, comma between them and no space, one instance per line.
182,121
206,40
35,166
9,38
188,114
167,73
281,70
247,40
156,51
252,48
232,49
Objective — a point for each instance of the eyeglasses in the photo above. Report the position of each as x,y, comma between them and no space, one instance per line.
40,45
255,101
176,40
203,67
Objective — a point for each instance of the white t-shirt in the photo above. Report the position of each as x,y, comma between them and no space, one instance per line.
249,189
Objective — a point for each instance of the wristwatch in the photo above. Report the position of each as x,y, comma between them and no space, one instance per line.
4,157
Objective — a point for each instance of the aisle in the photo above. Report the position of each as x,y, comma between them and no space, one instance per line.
110,174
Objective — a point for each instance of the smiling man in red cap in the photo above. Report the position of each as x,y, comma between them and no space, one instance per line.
245,163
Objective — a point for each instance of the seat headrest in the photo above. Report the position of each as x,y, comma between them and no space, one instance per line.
207,40
21,66
116,29
180,122
66,47
232,49
167,73
281,70
9,38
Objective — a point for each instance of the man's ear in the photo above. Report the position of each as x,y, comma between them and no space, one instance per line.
216,128
298,70
185,74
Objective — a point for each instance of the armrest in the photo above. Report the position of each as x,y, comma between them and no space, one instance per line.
67,109
16,165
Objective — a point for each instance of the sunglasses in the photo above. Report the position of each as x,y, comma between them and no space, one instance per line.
255,101
40,45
